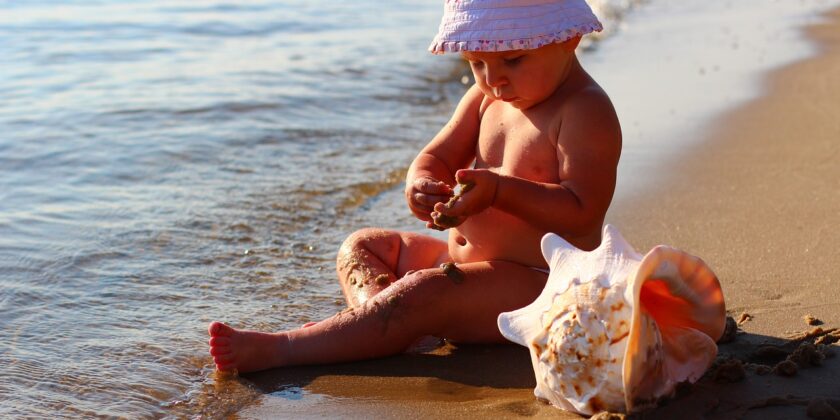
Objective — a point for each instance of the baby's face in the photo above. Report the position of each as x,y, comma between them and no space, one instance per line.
523,78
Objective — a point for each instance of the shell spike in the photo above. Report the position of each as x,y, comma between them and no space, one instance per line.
612,240
556,249
516,326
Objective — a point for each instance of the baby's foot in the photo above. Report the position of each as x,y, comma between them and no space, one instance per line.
245,351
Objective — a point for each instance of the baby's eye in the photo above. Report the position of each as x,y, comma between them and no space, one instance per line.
512,61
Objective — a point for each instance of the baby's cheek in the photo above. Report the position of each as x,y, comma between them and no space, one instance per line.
530,88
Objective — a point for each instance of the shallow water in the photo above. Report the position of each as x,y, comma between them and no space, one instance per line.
164,164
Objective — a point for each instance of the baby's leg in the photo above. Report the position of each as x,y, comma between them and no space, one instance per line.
371,259
427,302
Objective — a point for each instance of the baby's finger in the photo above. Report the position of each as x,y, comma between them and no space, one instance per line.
464,176
431,225
452,208
432,186
429,200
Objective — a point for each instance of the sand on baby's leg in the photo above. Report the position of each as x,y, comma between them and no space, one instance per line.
371,259
426,302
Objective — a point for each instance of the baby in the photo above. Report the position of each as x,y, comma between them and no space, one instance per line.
537,141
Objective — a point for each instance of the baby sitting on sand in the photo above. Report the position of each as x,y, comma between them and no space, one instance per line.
538,141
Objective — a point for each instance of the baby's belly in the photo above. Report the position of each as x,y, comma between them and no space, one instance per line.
496,235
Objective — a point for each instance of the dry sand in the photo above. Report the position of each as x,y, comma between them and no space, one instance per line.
759,200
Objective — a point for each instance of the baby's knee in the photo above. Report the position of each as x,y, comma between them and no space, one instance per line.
370,239
361,236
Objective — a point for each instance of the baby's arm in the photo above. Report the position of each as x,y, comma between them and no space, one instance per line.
432,173
588,148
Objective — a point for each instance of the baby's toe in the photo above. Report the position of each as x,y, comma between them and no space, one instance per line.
223,359
218,329
219,341
219,351
225,367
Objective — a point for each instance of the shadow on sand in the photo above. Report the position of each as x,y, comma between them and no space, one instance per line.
755,376
502,366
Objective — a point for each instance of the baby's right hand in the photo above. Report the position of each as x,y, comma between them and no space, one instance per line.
422,195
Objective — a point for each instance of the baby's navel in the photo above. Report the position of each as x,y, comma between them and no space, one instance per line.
460,240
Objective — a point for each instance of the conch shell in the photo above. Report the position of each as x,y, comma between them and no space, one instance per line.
613,330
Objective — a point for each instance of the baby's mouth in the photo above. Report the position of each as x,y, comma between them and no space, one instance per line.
503,96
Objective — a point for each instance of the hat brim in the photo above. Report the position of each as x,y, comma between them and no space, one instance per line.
492,26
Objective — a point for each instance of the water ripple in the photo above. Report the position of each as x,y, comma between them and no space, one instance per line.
164,164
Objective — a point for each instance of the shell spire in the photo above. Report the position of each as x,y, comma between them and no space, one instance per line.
613,330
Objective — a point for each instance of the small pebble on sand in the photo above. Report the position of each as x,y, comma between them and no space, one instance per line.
806,355
744,318
762,370
729,332
811,320
729,371
785,368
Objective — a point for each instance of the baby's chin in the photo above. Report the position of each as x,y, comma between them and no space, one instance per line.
519,103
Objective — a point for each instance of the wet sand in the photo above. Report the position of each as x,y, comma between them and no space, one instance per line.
758,198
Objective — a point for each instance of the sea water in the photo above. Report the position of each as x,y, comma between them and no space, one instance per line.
168,163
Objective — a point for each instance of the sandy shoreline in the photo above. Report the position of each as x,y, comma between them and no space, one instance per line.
758,199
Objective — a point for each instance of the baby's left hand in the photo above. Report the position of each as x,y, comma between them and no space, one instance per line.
481,195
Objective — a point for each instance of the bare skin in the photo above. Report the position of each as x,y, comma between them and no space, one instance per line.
425,303
540,141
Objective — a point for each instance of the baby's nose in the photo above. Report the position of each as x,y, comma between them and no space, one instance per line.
495,79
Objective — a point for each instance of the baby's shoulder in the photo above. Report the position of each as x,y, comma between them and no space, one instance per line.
588,99
590,106
588,113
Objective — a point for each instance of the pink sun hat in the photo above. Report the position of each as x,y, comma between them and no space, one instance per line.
504,25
